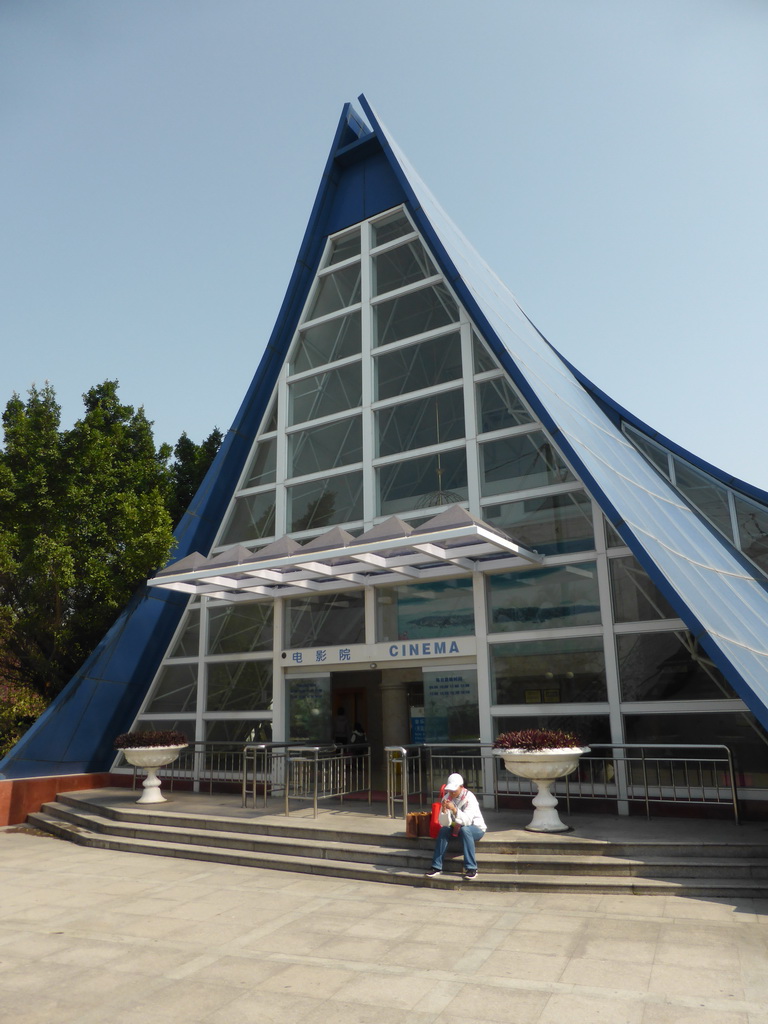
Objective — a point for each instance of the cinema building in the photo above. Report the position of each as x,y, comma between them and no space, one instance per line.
426,516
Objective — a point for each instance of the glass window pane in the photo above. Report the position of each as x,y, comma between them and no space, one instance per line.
175,690
432,362
414,313
424,482
239,628
521,462
309,709
240,686
553,524
328,619
325,393
612,536
239,731
391,227
422,610
635,597
271,423
704,494
565,595
498,406
262,468
667,666
753,531
188,641
319,448
336,499
424,422
658,458
564,671
398,267
327,342
482,357
739,731
336,291
451,713
345,248
253,516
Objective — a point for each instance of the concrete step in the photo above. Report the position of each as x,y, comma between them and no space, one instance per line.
585,866
412,855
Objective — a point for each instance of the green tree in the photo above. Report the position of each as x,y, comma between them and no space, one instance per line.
83,521
191,462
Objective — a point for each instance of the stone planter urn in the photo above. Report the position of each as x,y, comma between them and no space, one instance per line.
151,751
558,757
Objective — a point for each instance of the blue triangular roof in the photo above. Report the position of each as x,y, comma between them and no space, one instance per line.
714,590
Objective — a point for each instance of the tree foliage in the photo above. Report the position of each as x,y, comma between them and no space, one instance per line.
86,515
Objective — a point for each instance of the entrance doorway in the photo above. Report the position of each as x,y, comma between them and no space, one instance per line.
387,703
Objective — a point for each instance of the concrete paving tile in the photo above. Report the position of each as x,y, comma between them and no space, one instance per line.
634,906
87,953
191,1001
354,1013
216,931
546,922
375,951
263,1008
630,950
665,1013
680,954
452,934
620,927
238,971
584,1009
375,928
700,909
512,1005
428,956
523,966
400,990
312,980
284,940
523,940
614,976
701,982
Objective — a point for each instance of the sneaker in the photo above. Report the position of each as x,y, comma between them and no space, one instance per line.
470,876
433,873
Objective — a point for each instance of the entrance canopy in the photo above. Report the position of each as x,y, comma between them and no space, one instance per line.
451,543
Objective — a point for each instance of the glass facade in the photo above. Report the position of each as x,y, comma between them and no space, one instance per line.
550,598
565,671
391,403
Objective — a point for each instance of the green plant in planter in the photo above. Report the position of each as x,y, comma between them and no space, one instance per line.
151,738
537,739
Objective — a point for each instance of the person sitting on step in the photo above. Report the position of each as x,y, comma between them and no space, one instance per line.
466,822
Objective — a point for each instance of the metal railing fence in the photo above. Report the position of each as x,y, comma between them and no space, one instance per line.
201,764
306,773
627,773
404,776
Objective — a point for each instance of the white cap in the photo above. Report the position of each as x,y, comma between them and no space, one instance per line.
454,782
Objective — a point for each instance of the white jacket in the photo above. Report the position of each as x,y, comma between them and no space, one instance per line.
468,810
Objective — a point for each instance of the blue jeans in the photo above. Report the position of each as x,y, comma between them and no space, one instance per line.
469,835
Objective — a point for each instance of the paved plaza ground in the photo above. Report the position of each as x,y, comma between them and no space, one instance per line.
101,937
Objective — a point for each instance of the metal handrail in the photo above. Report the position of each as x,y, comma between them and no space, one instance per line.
677,778
306,772
404,776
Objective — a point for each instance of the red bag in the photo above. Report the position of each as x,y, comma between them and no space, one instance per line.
434,824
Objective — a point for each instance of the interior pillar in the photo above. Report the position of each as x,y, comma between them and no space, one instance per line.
394,711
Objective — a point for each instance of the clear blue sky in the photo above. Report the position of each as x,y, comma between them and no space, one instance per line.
608,158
